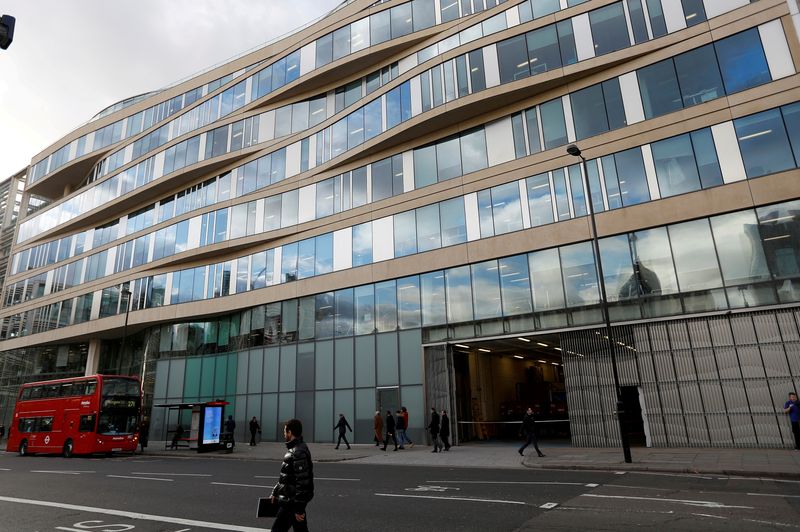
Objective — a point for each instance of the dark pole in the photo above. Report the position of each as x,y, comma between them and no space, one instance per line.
626,448
125,293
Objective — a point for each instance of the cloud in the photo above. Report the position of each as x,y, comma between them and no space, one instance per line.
69,60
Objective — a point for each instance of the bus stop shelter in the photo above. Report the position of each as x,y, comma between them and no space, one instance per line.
205,432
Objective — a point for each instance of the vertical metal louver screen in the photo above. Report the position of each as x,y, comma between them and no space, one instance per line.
718,381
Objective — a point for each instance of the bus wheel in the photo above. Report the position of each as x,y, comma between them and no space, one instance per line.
67,449
23,448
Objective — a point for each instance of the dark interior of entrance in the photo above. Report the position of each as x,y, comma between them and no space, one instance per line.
497,380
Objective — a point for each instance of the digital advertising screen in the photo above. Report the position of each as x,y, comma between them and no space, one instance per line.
212,424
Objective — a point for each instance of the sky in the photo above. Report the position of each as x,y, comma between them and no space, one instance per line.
72,58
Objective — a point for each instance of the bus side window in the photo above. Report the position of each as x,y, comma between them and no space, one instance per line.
87,423
36,392
45,424
52,390
26,394
77,388
25,424
66,390
91,386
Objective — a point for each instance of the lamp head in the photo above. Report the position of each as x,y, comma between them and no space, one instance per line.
574,150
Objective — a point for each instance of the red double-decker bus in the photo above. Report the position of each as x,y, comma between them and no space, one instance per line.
81,415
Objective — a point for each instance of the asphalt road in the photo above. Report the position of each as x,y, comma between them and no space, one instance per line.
147,494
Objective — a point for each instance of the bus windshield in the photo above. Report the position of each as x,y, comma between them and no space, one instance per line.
119,412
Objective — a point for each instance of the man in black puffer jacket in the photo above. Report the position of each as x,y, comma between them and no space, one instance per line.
295,487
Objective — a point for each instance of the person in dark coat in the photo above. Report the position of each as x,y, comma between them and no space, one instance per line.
390,427
378,427
405,417
144,433
177,436
255,428
295,487
343,427
230,426
444,430
434,427
400,428
529,431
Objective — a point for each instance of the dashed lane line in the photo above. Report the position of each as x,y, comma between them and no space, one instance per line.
527,483
468,499
135,515
774,495
316,478
58,472
173,474
142,478
241,485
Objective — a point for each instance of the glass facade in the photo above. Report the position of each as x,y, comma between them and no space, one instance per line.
258,180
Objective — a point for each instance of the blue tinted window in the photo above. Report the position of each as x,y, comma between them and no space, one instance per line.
562,197
305,258
428,229
553,125
513,59
362,244
706,155
675,166
742,61
589,112
698,75
323,254
453,222
609,29
631,176
515,285
566,42
486,290
543,49
405,234
791,117
763,142
540,202
658,86
637,21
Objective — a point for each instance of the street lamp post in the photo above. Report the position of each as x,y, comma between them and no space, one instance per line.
626,448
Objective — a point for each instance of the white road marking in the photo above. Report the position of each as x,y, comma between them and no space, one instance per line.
774,495
173,474
135,515
775,523
620,472
653,473
636,487
142,478
704,504
4,469
183,530
549,505
592,485
506,482
241,485
448,498
62,472
710,515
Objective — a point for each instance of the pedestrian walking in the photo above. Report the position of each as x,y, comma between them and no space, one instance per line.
405,417
343,427
144,433
792,407
529,431
390,428
444,430
378,428
230,426
255,428
434,427
295,487
400,428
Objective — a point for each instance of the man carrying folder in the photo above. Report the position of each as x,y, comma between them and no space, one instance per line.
295,487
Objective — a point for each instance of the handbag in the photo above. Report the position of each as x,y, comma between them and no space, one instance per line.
266,508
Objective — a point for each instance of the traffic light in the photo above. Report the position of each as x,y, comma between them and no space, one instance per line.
6,31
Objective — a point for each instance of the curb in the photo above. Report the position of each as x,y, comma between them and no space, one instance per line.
657,469
234,456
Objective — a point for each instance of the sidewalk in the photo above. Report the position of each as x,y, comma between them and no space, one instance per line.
774,463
